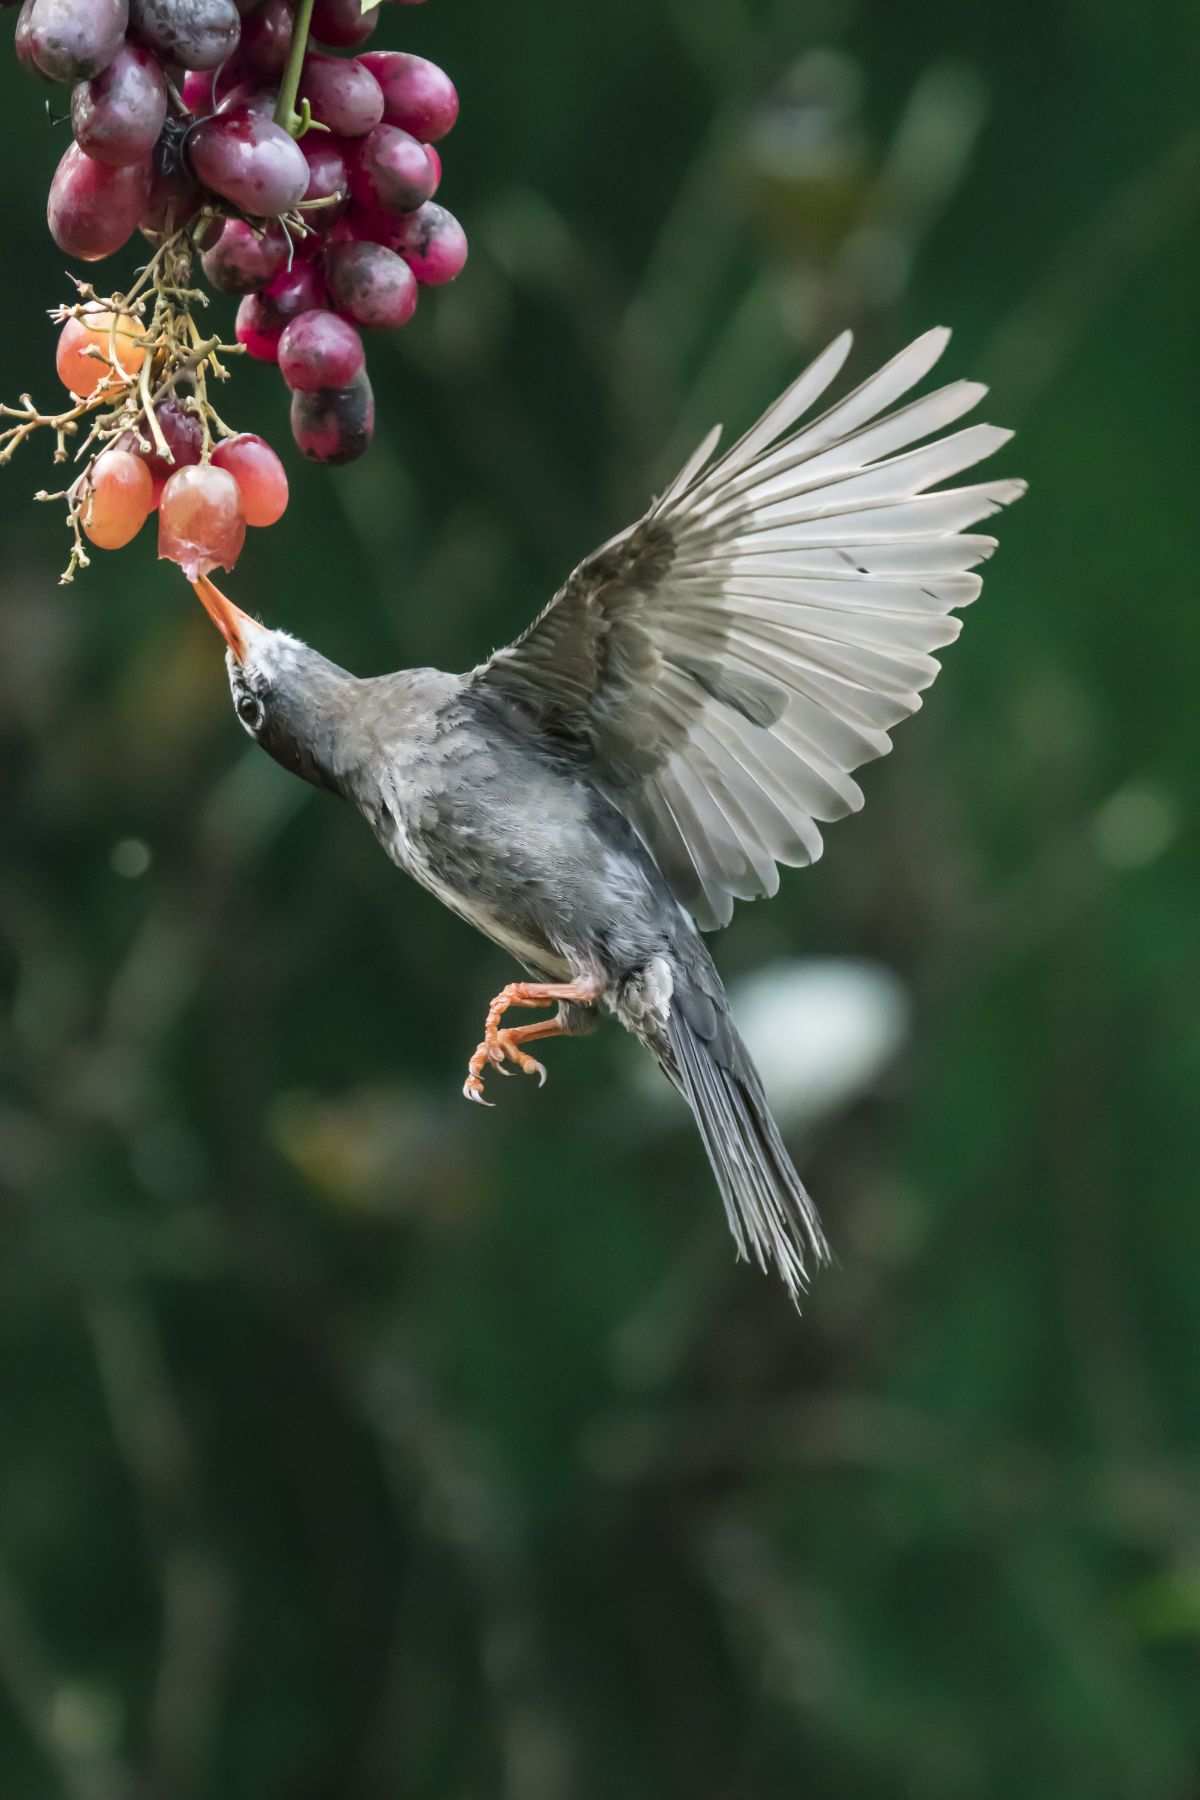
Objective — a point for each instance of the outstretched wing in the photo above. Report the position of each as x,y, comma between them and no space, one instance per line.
720,667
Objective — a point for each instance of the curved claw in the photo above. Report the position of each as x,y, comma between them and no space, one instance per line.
473,1090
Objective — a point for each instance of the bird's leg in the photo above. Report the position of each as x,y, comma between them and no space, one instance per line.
499,1043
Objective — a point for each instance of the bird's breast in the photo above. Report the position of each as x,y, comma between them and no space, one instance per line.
458,866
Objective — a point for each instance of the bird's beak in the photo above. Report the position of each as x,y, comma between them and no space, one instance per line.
234,625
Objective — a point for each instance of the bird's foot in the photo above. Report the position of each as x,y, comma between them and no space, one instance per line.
501,1044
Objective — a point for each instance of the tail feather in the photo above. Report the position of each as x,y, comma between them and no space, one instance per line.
770,1214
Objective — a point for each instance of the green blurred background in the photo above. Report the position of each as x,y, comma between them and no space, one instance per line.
358,1445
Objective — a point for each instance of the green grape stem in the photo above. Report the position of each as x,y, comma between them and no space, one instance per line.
285,111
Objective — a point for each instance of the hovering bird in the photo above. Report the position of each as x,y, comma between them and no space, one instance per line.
669,729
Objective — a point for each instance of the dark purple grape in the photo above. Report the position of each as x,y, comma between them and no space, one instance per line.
417,95
319,350
244,260
117,116
250,161
200,34
432,243
327,179
93,209
390,172
172,200
371,284
335,425
343,23
267,38
184,439
342,94
72,40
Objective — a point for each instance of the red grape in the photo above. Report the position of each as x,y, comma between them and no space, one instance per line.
432,243
371,284
319,350
92,208
258,329
435,164
82,373
327,179
296,290
343,23
117,116
342,94
234,95
249,160
118,501
72,40
199,34
243,260
267,38
261,478
390,172
417,95
200,522
335,425
198,91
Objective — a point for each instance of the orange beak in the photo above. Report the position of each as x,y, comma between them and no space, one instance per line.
232,623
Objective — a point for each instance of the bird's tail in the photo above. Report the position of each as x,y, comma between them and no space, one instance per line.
770,1214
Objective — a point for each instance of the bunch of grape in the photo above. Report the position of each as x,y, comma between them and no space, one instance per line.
306,180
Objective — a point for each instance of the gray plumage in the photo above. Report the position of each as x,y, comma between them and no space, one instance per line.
679,721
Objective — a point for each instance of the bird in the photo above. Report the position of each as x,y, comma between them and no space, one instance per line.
675,725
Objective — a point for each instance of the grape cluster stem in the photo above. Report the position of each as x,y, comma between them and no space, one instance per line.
176,352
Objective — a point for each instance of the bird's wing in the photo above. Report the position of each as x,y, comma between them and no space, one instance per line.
720,667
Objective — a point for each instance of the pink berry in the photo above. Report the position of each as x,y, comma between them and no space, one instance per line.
335,425
432,243
258,329
296,290
417,95
93,208
261,477
371,285
327,180
249,160
343,23
200,522
319,350
243,260
342,94
389,171
266,40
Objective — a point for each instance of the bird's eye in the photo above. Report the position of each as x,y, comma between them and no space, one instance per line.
250,711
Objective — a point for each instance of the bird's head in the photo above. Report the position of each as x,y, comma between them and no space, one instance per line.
291,700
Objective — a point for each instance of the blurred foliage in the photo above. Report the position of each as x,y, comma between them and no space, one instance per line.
361,1446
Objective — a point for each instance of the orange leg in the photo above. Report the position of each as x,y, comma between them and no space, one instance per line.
500,1044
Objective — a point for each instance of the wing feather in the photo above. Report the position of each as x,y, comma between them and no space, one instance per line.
719,669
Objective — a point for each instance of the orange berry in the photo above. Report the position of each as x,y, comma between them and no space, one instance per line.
82,373
120,499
